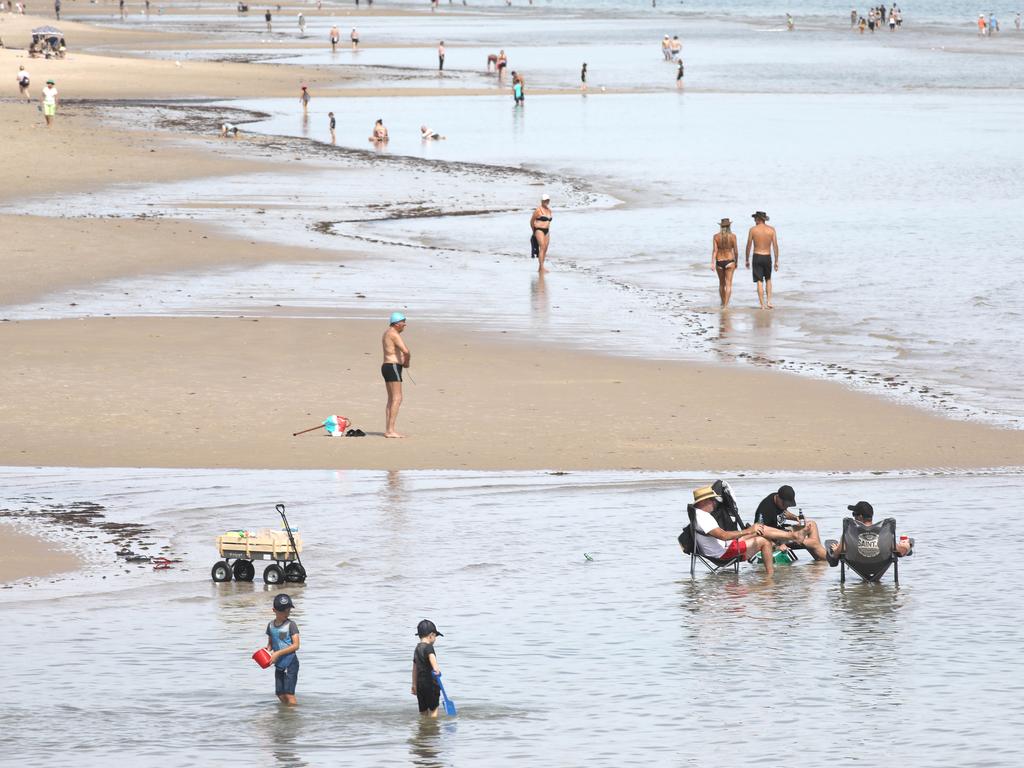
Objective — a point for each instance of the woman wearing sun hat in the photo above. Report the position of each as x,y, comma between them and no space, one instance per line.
723,259
49,99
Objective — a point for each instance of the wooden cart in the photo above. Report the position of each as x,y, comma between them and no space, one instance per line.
243,547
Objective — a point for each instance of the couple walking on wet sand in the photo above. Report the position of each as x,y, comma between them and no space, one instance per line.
725,257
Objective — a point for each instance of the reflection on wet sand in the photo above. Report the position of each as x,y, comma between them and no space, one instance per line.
539,302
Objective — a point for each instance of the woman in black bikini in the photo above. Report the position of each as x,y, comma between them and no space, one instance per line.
723,259
540,223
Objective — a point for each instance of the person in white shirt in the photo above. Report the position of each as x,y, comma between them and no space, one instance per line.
23,81
713,541
50,101
428,135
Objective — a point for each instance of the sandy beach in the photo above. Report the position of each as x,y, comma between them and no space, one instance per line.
228,392
175,305
24,556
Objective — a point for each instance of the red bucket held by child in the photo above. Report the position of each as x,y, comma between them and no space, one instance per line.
262,657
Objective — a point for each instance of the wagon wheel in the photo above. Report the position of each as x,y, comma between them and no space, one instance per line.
221,571
243,570
295,572
273,574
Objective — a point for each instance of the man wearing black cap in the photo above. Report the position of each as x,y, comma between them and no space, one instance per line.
864,514
425,671
773,512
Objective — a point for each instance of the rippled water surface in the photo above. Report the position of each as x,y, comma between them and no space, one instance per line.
552,659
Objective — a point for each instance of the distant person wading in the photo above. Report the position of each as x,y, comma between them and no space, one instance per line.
763,240
724,256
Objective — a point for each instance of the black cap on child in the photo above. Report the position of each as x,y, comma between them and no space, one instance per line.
425,627
283,602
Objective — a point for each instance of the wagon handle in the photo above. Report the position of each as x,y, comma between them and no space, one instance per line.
288,530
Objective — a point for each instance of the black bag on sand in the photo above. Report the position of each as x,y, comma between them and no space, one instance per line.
534,247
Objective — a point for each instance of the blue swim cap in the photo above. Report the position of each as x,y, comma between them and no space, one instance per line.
397,317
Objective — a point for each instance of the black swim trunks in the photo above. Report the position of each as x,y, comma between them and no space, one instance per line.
428,695
762,267
391,372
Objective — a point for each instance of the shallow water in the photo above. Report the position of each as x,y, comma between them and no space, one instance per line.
551,659
881,202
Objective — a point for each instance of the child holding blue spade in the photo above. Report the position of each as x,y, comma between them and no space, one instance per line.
425,671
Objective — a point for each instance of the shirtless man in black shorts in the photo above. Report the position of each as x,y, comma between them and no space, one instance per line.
763,239
396,358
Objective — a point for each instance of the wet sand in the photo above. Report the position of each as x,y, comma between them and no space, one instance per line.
23,556
228,392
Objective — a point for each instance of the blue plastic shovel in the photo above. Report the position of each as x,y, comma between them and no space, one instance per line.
449,705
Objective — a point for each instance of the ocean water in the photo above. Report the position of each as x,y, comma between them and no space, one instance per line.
952,12
552,659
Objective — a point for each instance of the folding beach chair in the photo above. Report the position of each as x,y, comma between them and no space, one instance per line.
869,550
688,542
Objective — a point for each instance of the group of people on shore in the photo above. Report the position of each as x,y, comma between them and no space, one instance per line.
775,528
989,26
876,18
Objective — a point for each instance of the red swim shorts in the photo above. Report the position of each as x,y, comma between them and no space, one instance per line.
736,548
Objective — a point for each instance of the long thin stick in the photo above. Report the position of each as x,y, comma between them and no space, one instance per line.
296,434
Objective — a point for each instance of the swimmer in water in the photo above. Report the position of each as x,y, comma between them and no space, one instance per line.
679,75
428,135
380,133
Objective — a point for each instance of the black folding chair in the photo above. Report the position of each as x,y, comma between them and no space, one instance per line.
869,550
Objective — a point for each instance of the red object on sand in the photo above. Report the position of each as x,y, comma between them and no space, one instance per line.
262,657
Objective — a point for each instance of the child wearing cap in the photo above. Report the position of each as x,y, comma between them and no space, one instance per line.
283,642
425,671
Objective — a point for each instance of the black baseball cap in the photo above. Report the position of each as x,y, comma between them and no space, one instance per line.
425,627
862,509
283,602
787,494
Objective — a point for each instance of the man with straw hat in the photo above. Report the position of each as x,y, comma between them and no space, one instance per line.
764,241
715,541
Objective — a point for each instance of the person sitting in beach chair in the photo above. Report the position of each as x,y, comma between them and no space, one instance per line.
717,537
869,549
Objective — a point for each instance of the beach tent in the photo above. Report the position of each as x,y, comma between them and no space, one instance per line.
47,34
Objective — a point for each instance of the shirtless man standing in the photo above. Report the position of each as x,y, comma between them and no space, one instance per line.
396,357
763,239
